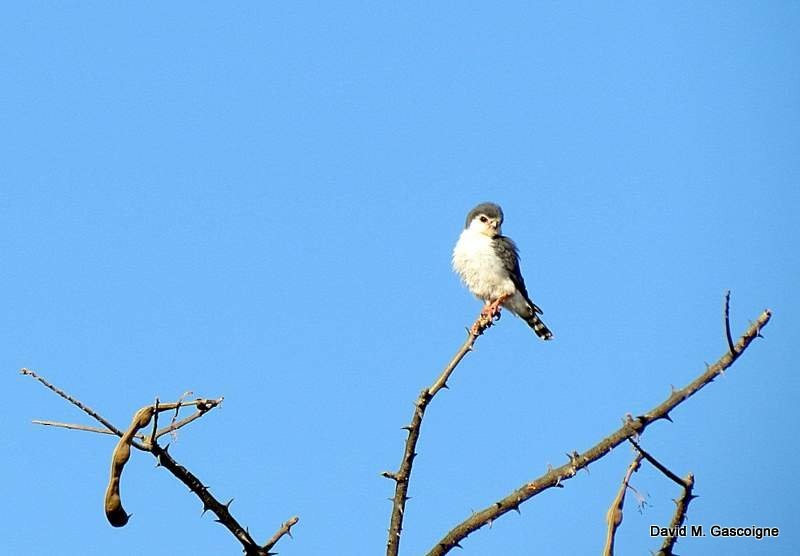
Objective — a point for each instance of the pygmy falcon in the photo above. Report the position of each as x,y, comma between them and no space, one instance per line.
488,263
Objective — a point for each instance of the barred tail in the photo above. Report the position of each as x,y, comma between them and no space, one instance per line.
539,327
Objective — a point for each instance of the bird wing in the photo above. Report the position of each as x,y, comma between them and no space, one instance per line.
506,250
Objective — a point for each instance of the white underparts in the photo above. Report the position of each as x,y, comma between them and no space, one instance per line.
479,267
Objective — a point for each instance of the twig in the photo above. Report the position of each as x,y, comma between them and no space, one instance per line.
155,422
633,427
88,410
77,427
286,529
403,475
682,503
203,406
727,312
614,515
221,510
681,506
657,464
251,548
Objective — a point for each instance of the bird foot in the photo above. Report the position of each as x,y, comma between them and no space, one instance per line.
492,310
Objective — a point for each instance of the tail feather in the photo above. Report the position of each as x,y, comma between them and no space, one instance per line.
539,327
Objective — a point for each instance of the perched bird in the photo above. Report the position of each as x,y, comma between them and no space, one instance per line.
488,263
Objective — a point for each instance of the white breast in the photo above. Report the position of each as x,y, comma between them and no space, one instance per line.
479,267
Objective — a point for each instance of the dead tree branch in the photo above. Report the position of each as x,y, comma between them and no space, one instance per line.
681,506
285,529
77,403
614,515
727,314
113,504
76,427
682,503
657,464
631,428
687,484
403,475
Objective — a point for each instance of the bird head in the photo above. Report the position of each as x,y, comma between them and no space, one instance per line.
486,218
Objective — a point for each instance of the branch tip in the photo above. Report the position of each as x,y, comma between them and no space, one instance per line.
726,313
409,452
554,477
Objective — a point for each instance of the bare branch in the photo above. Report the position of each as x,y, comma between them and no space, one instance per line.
614,515
114,511
77,427
403,475
203,406
682,503
657,464
727,314
286,529
630,429
88,410
156,410
681,506
221,510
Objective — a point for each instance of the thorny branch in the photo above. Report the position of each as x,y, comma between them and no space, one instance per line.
614,515
172,427
631,428
655,463
403,475
116,514
681,504
285,529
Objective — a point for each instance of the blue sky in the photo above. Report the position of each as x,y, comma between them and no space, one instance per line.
259,202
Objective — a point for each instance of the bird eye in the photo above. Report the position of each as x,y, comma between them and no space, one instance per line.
484,219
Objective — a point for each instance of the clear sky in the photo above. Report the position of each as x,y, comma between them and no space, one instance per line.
259,201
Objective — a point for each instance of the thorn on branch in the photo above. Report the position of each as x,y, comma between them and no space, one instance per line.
285,529
555,477
409,453
573,457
